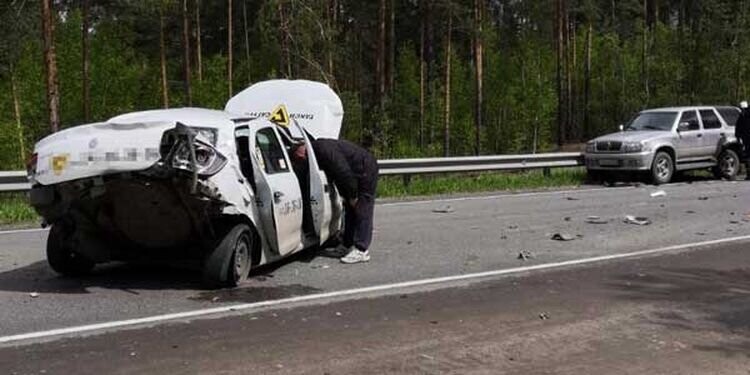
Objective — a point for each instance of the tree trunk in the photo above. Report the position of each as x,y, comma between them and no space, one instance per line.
186,53
247,43
587,85
50,63
560,93
332,25
479,79
392,47
380,70
163,60
85,81
285,63
644,53
447,119
571,74
422,68
17,114
230,49
198,48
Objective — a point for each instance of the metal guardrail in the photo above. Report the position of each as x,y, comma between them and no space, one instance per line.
15,181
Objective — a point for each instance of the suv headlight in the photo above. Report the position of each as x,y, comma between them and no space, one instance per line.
591,147
632,147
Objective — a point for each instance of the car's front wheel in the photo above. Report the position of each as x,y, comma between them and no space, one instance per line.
662,169
229,262
728,165
61,254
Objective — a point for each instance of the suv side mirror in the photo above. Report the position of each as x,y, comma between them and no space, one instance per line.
683,126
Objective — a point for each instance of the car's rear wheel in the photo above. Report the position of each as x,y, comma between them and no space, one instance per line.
61,254
662,169
728,165
229,262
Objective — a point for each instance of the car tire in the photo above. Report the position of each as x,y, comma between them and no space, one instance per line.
61,256
662,169
728,165
228,264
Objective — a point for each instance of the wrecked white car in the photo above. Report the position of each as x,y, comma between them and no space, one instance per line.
191,184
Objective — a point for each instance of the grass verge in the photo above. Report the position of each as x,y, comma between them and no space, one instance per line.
395,187
15,209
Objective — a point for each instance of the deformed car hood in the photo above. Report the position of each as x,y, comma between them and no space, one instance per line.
98,149
634,136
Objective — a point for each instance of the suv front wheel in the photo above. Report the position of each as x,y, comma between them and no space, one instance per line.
728,166
662,168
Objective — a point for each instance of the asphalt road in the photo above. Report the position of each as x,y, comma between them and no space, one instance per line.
414,240
684,313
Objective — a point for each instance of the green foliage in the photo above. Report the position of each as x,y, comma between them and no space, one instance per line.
695,52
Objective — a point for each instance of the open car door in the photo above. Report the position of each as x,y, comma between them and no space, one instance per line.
279,198
322,193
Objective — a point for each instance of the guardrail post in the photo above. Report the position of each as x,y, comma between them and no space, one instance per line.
407,180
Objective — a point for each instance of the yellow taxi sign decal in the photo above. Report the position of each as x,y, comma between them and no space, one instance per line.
280,116
59,163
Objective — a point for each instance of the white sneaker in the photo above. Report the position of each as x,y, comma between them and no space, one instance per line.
337,252
356,256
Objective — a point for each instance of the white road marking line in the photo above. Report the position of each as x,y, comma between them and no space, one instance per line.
506,195
352,292
20,231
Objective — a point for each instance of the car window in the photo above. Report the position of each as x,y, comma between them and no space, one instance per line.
730,115
710,119
652,121
691,118
269,152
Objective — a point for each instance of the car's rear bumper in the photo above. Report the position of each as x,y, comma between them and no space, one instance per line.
619,162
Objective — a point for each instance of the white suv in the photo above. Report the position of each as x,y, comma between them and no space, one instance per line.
662,141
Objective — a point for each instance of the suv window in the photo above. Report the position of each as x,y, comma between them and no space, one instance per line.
269,152
730,115
710,120
692,119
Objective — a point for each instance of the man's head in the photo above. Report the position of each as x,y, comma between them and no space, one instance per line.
743,104
299,151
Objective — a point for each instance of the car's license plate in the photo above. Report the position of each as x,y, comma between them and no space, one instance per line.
609,163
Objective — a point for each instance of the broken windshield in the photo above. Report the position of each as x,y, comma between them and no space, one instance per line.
662,121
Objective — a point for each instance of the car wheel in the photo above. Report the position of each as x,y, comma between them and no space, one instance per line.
228,264
729,165
662,168
60,253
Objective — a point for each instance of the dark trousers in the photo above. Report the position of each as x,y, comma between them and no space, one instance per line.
358,220
746,152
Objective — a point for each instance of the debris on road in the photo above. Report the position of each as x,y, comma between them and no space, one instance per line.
33,294
637,220
702,198
338,313
567,218
562,237
572,199
596,220
512,227
700,233
425,356
734,222
544,316
525,255
444,210
215,299
689,212
320,266
660,193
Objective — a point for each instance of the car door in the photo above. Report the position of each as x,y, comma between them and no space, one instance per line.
320,202
279,197
689,136
712,133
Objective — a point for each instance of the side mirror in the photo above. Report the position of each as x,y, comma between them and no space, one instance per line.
683,126
622,127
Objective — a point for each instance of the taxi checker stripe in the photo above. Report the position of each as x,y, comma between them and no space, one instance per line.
352,292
